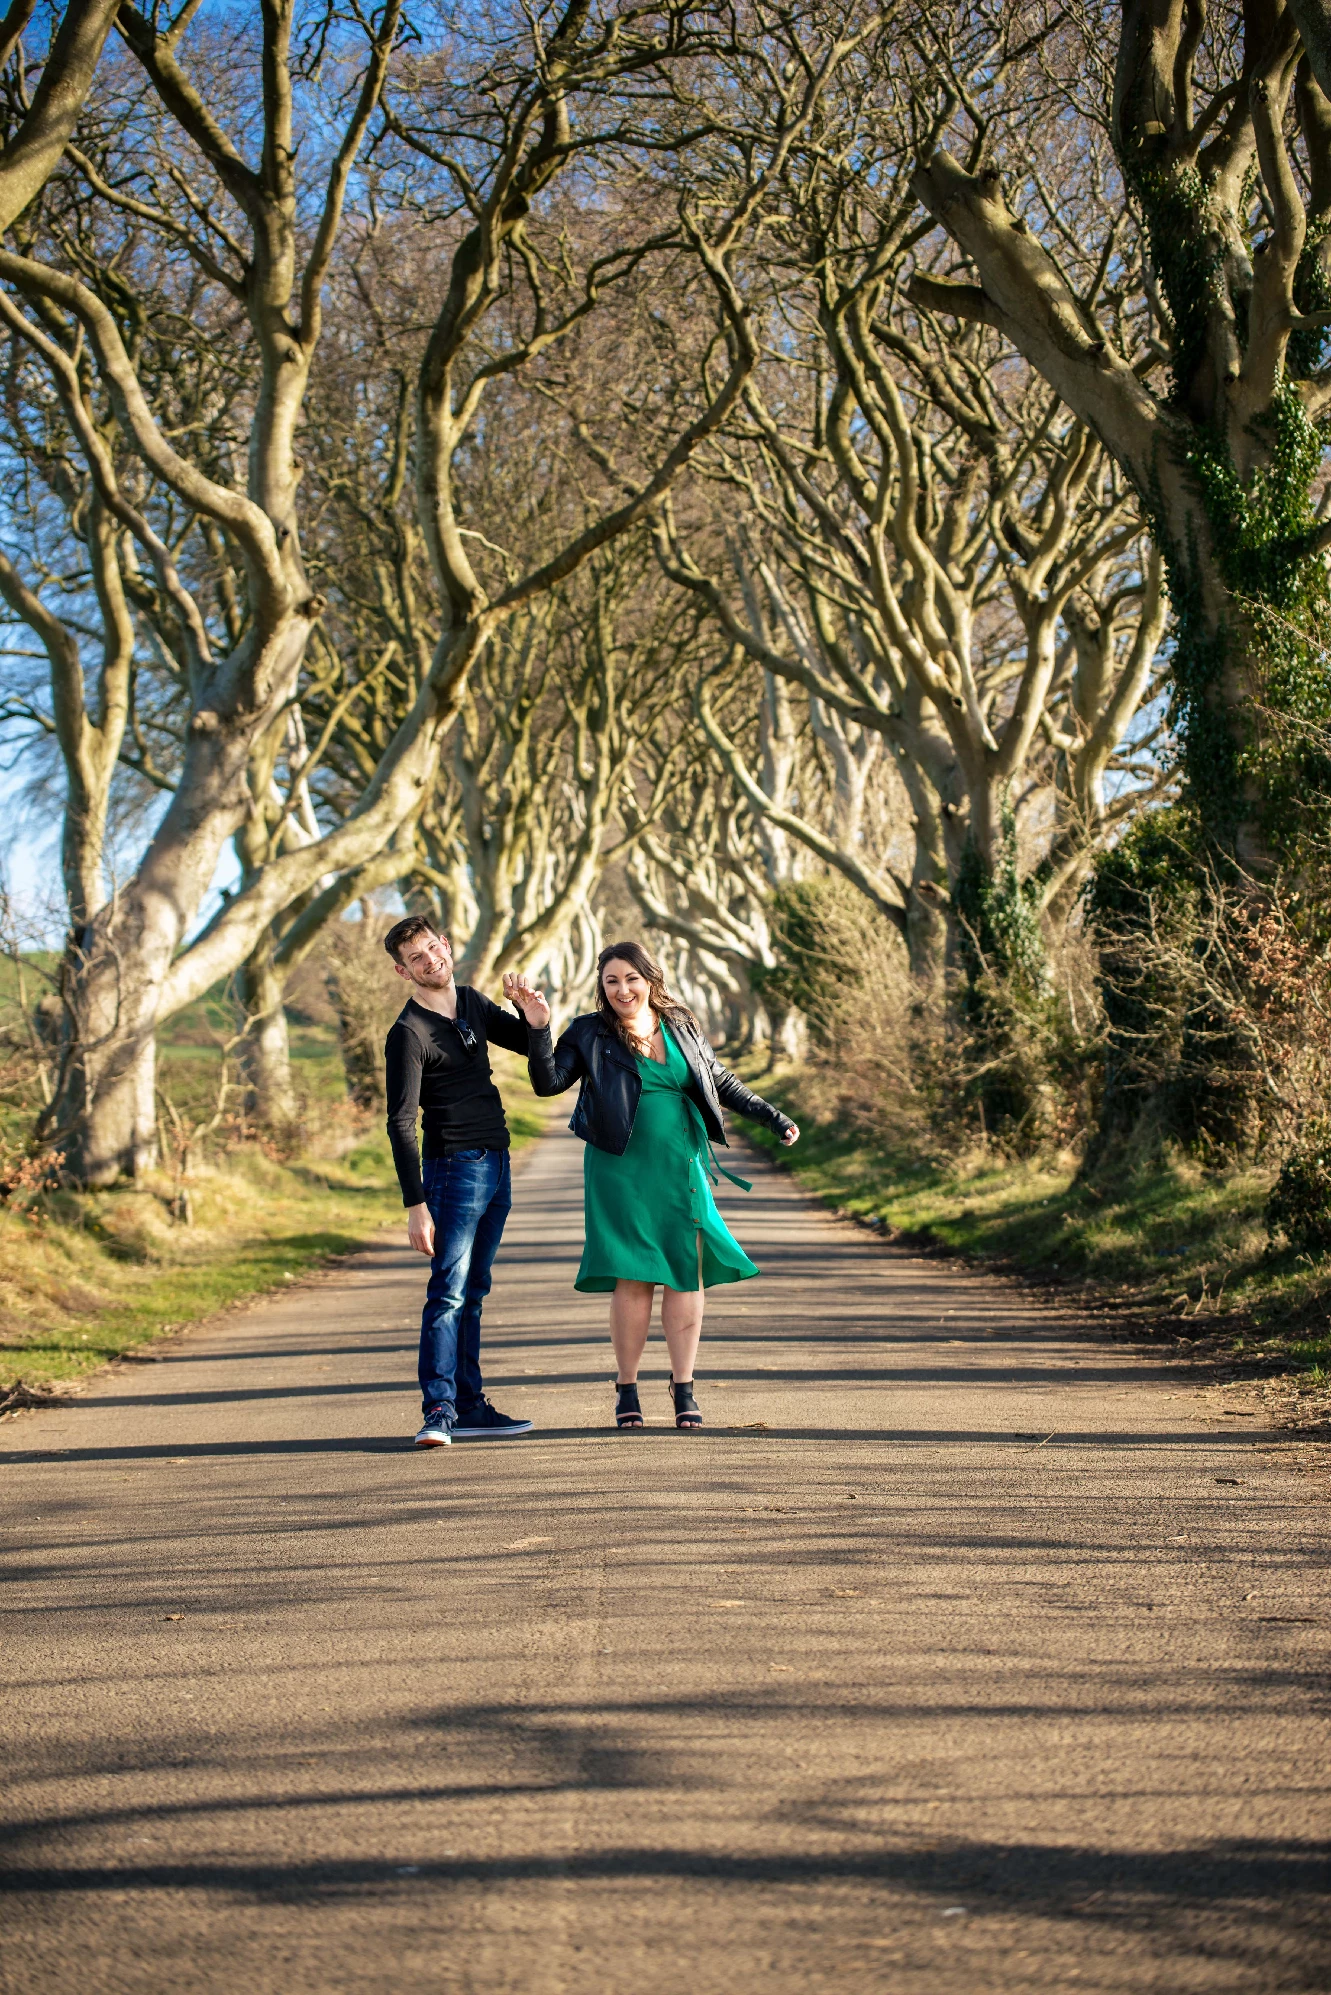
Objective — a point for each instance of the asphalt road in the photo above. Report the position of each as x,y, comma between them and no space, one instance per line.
960,1651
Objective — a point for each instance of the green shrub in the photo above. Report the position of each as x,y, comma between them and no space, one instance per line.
1300,1201
1006,1053
828,943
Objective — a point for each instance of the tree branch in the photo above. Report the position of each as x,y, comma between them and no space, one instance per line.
34,153
884,896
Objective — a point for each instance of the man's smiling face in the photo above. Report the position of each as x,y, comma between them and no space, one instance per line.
427,961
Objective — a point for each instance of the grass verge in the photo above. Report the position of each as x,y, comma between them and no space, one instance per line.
1171,1241
88,1276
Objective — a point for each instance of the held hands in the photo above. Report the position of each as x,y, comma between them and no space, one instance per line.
420,1229
792,1135
531,1003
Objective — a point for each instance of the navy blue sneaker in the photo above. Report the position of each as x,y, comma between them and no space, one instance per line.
438,1429
483,1422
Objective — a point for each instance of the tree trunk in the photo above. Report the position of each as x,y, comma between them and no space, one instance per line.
1222,688
116,967
785,1036
117,1135
270,1094
102,1120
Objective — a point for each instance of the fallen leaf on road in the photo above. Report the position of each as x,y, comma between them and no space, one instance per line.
785,1669
173,1617
525,1544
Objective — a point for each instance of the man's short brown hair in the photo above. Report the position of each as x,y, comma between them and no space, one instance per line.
405,931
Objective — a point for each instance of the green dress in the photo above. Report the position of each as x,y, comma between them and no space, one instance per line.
650,1215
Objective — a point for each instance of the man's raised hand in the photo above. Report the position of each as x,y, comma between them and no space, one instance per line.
531,1003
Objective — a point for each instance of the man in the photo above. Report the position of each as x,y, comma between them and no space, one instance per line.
437,1062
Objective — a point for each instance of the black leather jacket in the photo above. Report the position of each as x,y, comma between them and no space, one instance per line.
591,1051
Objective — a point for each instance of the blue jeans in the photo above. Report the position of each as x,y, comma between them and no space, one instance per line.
469,1197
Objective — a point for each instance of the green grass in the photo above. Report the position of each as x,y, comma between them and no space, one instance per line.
87,1276
189,1059
1167,1238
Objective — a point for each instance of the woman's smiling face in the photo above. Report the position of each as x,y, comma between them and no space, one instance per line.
626,988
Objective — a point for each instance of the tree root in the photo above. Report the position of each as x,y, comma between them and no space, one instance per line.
20,1396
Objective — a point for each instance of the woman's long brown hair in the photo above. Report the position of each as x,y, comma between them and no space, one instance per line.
658,997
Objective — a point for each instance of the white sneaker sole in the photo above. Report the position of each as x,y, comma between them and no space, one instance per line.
492,1433
433,1440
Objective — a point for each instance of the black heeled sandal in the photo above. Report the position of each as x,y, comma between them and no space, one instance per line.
687,1416
628,1411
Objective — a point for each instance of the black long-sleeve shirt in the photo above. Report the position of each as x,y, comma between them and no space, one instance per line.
430,1069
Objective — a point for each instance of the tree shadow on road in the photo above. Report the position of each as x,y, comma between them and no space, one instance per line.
1258,1905
1128,1441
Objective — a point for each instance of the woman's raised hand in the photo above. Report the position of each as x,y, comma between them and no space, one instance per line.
531,1003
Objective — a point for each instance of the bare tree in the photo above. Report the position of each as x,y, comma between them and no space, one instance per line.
83,328
38,122
783,801
707,857
498,132
925,540
550,736
1199,366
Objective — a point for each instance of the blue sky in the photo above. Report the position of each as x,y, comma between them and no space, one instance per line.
30,863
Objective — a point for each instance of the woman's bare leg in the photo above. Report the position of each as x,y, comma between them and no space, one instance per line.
630,1320
681,1319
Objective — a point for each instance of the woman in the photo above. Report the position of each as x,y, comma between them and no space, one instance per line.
649,1109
